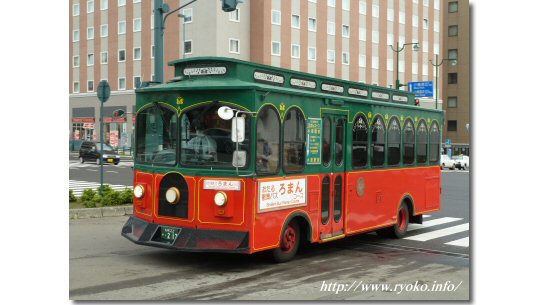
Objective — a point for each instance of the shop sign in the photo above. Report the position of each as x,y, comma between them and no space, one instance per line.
281,194
83,120
89,125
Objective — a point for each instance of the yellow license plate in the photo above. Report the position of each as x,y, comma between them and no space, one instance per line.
110,160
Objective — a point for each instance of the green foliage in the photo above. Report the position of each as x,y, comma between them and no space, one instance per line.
92,198
87,195
126,196
72,196
111,198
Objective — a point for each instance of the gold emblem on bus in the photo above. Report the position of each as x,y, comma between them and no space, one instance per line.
180,100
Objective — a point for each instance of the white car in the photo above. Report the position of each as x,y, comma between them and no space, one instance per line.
446,162
462,161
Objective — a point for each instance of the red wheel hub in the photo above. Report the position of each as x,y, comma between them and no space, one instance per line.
402,219
289,239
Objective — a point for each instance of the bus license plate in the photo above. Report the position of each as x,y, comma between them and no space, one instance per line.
169,234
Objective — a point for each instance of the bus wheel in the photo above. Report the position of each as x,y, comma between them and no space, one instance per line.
289,243
400,228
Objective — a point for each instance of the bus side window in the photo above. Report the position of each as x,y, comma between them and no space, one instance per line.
294,141
394,140
422,142
378,141
360,142
434,143
409,142
268,141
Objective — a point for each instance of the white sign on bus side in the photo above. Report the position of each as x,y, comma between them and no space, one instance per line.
281,194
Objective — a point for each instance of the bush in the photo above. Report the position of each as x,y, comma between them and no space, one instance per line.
72,196
92,198
111,198
126,196
87,195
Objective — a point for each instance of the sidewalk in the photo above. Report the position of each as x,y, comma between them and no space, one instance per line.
115,211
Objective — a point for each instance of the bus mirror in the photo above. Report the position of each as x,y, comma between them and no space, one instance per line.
238,129
225,113
239,158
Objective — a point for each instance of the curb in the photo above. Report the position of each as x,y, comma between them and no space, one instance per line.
116,211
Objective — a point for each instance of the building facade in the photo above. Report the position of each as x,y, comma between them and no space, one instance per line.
457,83
349,39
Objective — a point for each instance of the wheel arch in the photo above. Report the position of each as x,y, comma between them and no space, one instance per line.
407,199
304,223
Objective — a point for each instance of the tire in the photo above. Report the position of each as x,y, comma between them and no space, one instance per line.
400,228
289,243
98,161
116,163
81,160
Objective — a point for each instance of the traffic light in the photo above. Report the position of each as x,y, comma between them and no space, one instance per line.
230,5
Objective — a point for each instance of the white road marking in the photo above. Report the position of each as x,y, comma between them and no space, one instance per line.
464,242
440,233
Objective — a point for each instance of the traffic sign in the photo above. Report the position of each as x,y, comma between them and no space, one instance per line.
103,91
421,89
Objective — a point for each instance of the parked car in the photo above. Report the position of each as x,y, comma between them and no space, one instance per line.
91,151
462,161
446,162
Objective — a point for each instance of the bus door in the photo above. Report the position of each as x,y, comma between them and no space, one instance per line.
332,180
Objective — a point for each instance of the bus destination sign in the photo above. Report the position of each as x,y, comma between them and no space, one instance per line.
195,71
265,77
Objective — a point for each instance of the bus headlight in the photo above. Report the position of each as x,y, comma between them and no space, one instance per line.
221,199
172,195
139,191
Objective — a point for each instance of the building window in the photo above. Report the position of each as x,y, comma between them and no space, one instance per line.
362,7
137,81
187,48
425,68
390,39
425,24
76,9
409,142
393,143
435,139
331,3
311,53
104,58
362,60
362,34
452,30
76,61
422,142
390,64
345,58
375,36
121,55
275,17
90,6
453,54
331,28
122,27
436,4
390,14
90,86
453,7
436,26
375,11
345,5
452,102
312,24
76,87
234,16
295,21
294,141
90,33
359,154
104,5
331,56
378,142
121,83
414,68
452,78
137,25
121,3
137,1
452,125
345,31
275,48
137,53
268,141
402,17
426,2
295,51
90,59
415,21
188,15
104,30
234,46
375,62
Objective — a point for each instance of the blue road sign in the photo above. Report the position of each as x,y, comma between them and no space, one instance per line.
421,89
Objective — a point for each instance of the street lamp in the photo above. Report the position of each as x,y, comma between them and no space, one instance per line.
416,47
161,11
437,64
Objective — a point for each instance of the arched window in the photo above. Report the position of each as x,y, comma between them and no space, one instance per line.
378,141
267,141
294,141
326,155
359,156
422,142
434,143
394,140
408,142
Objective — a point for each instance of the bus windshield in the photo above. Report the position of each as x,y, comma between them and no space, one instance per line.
206,138
156,135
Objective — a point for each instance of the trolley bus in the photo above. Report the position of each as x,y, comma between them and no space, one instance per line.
233,156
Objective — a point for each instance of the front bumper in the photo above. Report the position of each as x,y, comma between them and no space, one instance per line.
192,240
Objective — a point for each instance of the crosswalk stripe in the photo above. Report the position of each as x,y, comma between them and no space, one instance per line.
440,233
464,242
431,223
78,187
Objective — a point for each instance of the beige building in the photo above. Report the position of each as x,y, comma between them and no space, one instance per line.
348,39
457,80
